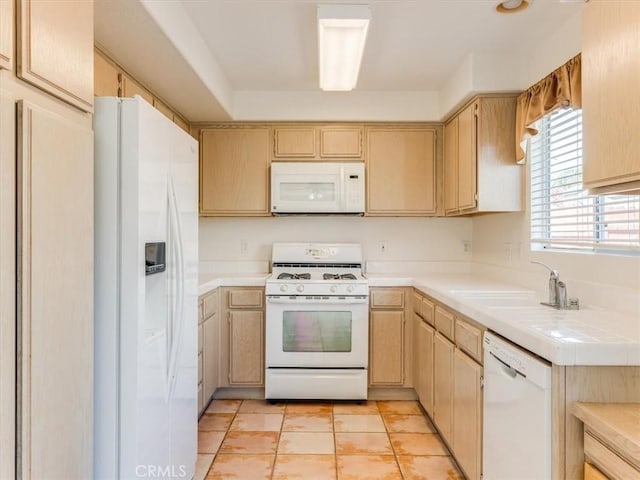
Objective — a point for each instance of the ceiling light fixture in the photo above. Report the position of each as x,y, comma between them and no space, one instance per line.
512,6
342,32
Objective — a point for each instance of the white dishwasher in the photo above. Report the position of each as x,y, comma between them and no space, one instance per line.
517,413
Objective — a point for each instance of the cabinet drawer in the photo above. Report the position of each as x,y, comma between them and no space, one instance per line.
469,339
426,310
295,142
210,304
242,298
200,339
444,322
391,298
200,367
607,460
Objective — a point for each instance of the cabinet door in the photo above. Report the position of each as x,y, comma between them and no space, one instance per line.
55,198
386,365
55,48
106,77
610,71
130,88
234,172
341,142
7,286
246,347
6,34
210,353
467,414
401,172
451,166
443,386
295,142
424,335
467,157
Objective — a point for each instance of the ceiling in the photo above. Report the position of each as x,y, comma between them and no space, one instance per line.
245,46
411,45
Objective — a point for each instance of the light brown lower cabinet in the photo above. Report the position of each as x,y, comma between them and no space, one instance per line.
423,362
386,336
443,351
467,414
246,347
592,473
55,294
210,352
241,345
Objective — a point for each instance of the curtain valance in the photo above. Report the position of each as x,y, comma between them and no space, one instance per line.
561,88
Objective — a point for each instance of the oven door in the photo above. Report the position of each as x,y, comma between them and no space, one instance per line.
312,332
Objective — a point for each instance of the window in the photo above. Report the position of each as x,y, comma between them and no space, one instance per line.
563,215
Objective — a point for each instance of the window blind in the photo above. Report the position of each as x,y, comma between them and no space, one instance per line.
563,215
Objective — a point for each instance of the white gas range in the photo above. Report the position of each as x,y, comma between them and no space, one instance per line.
317,322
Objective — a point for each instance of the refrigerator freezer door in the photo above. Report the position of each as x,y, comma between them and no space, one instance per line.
155,397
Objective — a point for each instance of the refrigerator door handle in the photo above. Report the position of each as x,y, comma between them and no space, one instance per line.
177,253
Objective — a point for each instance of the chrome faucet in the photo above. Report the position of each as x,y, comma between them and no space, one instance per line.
557,291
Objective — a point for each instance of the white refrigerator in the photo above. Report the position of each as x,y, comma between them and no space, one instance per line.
146,269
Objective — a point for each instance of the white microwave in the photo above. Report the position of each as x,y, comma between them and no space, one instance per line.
317,187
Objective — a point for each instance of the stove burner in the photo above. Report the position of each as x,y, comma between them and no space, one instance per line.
338,276
294,276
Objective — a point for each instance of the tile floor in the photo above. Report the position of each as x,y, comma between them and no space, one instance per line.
253,440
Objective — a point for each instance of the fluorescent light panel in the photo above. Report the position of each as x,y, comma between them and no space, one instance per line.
342,32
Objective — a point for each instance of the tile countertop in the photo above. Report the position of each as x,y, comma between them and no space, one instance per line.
590,336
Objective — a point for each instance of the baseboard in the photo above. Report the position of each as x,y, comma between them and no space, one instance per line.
257,393
392,393
239,393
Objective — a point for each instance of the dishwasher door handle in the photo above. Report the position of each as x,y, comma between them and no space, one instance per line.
512,371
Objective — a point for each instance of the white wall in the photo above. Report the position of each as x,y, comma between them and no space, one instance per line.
501,242
406,239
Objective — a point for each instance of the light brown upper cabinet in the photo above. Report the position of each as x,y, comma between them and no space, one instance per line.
130,88
234,171
451,166
480,173
341,142
610,105
294,142
317,143
163,108
106,78
401,171
6,34
46,56
181,122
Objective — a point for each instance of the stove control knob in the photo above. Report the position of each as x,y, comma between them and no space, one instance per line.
349,288
334,288
284,288
300,288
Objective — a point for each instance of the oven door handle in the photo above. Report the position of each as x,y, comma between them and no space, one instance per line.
314,301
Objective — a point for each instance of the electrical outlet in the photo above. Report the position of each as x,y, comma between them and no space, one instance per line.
244,245
382,247
466,246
